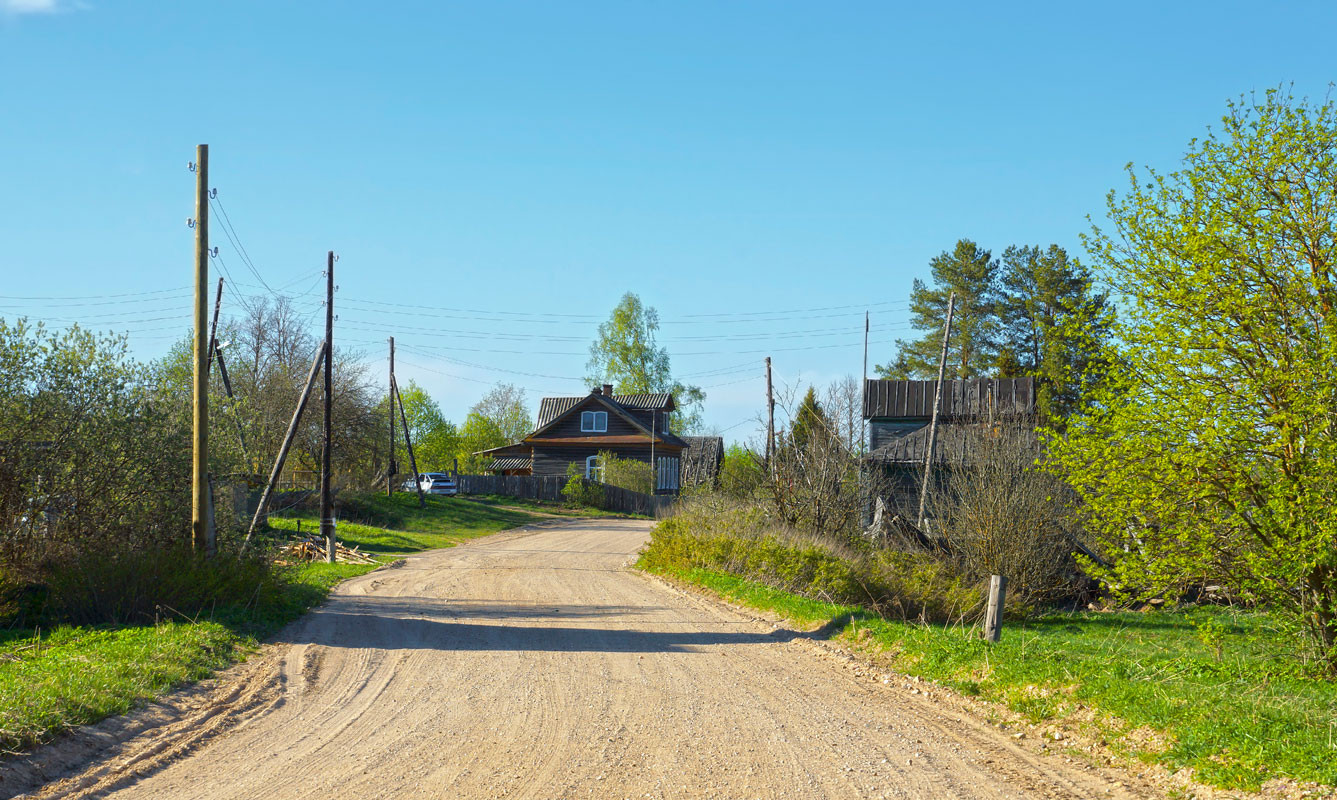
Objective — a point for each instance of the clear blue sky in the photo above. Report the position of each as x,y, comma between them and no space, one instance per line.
543,158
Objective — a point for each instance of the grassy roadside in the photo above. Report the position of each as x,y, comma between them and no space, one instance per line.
1200,688
54,680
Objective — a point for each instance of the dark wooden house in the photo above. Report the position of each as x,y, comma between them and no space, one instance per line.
899,413
574,430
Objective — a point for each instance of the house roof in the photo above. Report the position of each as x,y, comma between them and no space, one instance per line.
974,399
510,463
550,408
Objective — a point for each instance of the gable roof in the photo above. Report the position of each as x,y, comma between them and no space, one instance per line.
970,399
570,404
550,408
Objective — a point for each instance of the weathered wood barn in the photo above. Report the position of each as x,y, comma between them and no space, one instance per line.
574,430
701,461
899,413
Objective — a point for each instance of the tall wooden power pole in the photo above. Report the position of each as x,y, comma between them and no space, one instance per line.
937,403
326,506
770,418
201,529
390,464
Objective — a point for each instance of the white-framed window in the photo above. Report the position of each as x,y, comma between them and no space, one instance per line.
667,478
594,469
594,422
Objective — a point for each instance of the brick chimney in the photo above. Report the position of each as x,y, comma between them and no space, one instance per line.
608,390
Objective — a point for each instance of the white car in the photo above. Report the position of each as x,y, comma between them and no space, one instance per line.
436,483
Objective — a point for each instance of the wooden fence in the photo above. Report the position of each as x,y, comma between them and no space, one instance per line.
549,487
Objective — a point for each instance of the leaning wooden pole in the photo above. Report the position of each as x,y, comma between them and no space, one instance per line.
408,440
201,532
937,405
288,437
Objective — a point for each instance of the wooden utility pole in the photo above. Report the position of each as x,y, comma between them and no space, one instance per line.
390,387
770,418
201,531
408,440
326,502
287,443
937,404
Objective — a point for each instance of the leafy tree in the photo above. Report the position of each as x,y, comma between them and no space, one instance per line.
742,472
971,272
626,355
478,433
1052,324
435,439
1209,453
507,407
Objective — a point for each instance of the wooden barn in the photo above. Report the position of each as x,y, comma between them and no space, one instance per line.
899,413
701,461
574,430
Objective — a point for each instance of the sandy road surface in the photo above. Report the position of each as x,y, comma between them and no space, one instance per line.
532,664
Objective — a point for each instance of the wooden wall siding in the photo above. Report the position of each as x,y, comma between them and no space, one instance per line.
957,444
701,460
539,487
961,399
553,460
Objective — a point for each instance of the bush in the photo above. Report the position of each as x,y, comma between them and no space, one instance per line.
581,492
627,473
713,533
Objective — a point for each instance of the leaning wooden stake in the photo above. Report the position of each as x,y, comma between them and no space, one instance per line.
993,620
413,462
287,443
937,404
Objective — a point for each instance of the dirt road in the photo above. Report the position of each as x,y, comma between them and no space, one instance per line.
532,664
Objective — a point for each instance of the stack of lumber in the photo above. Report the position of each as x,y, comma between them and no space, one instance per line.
314,550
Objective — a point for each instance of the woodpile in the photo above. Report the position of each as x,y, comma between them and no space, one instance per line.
314,550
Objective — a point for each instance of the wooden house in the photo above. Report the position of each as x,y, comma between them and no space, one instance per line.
574,430
899,414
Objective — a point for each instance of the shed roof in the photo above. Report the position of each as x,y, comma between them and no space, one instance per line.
962,400
510,463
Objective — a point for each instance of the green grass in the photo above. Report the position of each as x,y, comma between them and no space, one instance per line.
380,525
1237,721
53,680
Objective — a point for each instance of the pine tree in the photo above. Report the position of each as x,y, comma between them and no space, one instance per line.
971,272
810,422
1052,325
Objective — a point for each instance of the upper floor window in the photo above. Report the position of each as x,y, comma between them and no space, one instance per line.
594,422
665,429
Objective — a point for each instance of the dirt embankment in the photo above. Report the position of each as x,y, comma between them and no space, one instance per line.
532,664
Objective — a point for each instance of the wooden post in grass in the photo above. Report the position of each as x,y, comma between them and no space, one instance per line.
993,619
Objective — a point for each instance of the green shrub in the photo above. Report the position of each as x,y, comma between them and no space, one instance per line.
581,492
740,539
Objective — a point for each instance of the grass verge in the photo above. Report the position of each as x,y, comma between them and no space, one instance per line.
1199,688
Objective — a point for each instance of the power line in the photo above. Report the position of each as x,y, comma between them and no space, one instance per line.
96,296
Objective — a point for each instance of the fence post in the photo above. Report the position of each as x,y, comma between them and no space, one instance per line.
993,620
